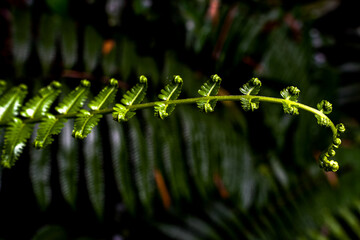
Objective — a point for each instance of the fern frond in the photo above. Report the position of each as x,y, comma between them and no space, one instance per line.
16,135
252,87
170,92
105,97
134,96
2,86
40,171
209,88
94,173
11,101
84,123
75,99
50,126
325,107
290,93
40,104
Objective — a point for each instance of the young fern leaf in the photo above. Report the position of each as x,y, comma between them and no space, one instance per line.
290,93
11,101
52,125
170,92
209,88
86,120
16,135
252,87
40,104
135,95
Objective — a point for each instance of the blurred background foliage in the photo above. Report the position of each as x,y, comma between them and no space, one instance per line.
226,175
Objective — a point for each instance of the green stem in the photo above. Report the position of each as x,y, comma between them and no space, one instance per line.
194,100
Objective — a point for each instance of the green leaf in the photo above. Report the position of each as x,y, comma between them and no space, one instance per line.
48,127
40,176
105,97
75,99
94,172
40,104
11,101
170,92
68,164
290,93
121,165
84,123
209,88
252,87
16,135
134,96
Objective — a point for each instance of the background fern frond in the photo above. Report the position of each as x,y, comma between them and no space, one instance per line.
105,97
94,172
84,123
40,104
68,164
40,175
16,135
2,86
170,92
75,99
48,127
11,101
209,88
134,96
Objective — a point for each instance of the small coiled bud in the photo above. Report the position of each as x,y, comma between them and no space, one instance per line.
142,79
324,106
177,79
331,152
340,128
337,142
215,78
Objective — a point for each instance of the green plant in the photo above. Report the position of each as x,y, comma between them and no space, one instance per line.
19,126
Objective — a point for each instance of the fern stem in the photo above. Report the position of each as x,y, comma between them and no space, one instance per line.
194,100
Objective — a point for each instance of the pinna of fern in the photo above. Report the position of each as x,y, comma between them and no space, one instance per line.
19,127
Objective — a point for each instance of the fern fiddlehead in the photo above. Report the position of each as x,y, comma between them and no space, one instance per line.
36,110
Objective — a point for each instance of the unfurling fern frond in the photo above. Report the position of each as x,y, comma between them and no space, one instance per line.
209,88
75,99
11,101
40,104
86,120
135,95
252,87
290,93
16,135
170,92
52,125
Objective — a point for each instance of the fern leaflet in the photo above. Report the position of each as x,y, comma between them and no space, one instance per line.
290,93
134,96
209,88
11,101
16,135
39,105
84,123
47,128
75,99
85,120
170,92
252,87
105,97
